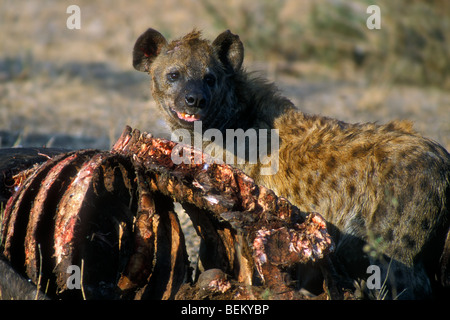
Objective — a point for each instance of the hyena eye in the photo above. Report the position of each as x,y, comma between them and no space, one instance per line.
173,76
210,80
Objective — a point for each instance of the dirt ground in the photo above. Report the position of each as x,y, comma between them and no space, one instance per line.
78,89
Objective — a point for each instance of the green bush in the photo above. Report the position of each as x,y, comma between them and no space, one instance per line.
412,45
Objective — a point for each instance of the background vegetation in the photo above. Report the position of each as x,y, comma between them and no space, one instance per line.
77,88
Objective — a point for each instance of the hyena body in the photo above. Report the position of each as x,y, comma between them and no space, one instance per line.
384,189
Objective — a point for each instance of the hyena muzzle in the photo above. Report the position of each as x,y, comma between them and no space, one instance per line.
384,189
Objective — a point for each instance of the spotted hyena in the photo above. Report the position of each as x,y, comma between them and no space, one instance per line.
384,189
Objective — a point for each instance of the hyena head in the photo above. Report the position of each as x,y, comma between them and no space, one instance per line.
191,77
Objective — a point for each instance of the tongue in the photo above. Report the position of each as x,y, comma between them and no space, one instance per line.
188,117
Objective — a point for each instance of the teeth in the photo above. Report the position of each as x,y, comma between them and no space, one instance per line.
188,117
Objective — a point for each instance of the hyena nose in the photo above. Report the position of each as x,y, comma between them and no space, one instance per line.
195,100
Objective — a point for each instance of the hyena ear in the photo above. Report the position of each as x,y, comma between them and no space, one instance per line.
147,48
230,50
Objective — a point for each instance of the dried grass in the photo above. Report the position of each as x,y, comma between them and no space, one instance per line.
56,82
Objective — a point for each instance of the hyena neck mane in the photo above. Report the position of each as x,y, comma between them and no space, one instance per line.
258,102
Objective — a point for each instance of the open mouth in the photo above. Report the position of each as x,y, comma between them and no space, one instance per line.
186,116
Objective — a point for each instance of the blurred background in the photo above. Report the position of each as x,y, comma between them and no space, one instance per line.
78,89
